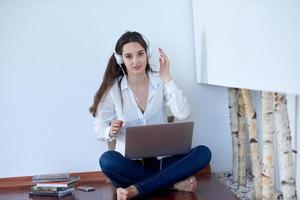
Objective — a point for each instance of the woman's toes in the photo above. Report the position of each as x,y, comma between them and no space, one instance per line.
127,193
122,194
193,181
188,185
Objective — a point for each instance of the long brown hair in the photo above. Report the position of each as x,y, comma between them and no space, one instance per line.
113,70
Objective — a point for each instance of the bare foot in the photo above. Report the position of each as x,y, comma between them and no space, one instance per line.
127,193
187,185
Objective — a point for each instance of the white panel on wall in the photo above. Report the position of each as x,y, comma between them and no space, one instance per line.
248,44
298,146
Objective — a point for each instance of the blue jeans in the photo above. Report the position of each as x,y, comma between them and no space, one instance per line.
152,174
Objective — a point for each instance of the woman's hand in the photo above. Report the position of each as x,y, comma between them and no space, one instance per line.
115,127
164,66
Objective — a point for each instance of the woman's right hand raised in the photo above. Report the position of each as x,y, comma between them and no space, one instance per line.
115,127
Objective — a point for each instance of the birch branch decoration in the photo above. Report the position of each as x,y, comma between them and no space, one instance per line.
241,141
253,139
284,141
268,130
233,114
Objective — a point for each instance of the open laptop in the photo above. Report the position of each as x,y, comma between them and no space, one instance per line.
158,140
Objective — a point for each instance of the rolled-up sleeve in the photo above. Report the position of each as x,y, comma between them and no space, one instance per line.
105,114
176,101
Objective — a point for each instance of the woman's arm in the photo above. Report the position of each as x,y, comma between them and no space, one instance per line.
173,95
176,101
104,116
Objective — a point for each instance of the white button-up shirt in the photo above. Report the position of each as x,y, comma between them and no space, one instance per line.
113,107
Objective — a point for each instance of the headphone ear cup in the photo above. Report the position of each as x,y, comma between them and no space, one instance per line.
118,58
149,51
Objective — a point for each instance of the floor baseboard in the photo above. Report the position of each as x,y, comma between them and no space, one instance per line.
94,176
25,181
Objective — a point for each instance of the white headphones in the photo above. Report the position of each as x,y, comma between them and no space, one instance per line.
119,58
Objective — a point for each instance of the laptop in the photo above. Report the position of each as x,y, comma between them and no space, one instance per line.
158,140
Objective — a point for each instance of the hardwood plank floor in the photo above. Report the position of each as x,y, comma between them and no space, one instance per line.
209,188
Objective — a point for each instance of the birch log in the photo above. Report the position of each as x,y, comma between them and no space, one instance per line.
233,114
253,139
241,141
284,140
268,130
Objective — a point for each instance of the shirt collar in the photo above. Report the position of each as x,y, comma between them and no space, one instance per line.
124,83
154,80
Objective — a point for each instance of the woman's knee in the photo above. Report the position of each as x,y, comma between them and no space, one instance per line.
204,153
108,159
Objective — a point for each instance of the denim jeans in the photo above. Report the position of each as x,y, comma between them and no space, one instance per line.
151,174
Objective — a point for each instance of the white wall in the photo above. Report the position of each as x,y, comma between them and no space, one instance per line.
52,58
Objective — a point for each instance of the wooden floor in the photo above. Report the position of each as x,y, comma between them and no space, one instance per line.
209,188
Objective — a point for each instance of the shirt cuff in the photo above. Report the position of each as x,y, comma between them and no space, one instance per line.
106,135
170,87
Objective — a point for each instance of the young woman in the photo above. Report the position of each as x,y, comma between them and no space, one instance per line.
132,94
